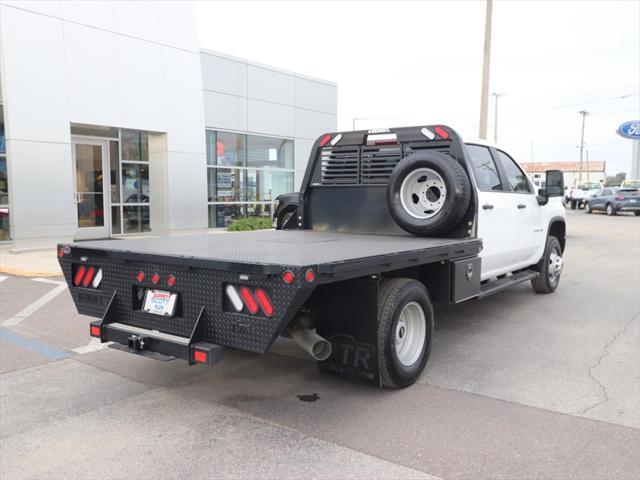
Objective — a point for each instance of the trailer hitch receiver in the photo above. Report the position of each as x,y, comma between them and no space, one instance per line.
137,342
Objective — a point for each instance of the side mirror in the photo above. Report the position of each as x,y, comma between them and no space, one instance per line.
554,186
554,183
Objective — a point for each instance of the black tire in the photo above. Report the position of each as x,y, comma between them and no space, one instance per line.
395,295
610,210
573,205
636,213
455,202
546,283
284,217
587,208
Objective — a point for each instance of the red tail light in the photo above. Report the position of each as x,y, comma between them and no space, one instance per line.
155,278
288,277
265,302
200,356
86,281
442,132
249,301
171,281
79,275
140,276
324,140
310,276
94,331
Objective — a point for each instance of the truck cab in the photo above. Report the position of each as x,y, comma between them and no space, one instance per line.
513,220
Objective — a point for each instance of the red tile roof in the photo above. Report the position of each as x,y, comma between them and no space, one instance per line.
538,167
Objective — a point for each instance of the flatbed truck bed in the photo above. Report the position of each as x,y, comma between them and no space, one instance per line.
271,252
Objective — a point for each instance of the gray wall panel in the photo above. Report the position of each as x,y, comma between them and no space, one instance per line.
271,119
316,95
225,111
311,124
271,86
223,75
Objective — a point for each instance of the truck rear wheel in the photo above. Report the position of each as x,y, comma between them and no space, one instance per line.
405,328
428,193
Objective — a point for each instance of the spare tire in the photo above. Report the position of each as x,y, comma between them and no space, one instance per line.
428,193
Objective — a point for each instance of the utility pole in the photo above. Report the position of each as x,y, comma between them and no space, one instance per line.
584,114
588,169
484,96
495,126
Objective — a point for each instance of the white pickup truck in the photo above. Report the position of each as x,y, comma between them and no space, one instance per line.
578,194
387,223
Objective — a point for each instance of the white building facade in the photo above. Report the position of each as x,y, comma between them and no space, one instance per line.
116,123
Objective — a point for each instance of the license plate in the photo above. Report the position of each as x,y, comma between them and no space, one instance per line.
160,302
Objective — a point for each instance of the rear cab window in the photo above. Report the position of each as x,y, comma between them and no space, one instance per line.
484,168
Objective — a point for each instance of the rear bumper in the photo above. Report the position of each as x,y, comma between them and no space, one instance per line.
148,342
629,208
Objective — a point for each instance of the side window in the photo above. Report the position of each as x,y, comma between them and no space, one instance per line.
516,178
484,168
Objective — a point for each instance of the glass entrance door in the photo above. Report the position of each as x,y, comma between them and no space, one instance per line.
90,158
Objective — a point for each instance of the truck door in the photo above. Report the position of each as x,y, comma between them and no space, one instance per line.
529,224
497,214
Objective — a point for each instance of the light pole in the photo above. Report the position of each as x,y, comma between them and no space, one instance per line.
495,113
584,114
484,95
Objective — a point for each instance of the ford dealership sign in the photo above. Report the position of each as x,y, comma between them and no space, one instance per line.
630,130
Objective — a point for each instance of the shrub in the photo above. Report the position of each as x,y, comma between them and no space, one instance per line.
250,223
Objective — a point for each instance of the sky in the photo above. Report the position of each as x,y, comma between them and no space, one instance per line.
400,63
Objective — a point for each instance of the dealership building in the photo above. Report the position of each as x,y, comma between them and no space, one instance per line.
114,123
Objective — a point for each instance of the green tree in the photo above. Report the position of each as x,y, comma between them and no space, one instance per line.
615,180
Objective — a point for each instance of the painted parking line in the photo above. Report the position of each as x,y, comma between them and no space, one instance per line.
94,345
33,345
48,280
35,306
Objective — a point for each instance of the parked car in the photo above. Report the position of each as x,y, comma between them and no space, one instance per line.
579,194
614,200
630,184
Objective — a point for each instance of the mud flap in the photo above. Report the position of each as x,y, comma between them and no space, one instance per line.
348,318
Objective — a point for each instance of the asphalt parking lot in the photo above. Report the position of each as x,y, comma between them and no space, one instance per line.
519,385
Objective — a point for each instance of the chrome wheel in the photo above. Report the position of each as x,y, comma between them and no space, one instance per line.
554,267
422,193
410,334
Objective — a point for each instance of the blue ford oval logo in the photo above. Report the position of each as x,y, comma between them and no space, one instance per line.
630,130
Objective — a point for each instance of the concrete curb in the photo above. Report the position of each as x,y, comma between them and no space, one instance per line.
21,272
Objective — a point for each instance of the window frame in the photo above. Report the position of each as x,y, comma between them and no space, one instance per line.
495,163
243,172
504,178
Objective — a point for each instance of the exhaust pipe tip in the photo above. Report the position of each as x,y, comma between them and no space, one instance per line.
312,343
321,350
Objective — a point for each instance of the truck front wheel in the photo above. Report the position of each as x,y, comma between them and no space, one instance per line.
550,267
405,328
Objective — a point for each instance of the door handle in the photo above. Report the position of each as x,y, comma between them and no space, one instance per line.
521,206
487,206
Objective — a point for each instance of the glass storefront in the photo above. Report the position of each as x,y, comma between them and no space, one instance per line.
245,173
5,233
130,210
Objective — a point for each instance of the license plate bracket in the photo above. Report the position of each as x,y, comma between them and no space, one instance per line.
160,302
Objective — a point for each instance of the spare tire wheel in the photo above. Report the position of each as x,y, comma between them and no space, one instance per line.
428,193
